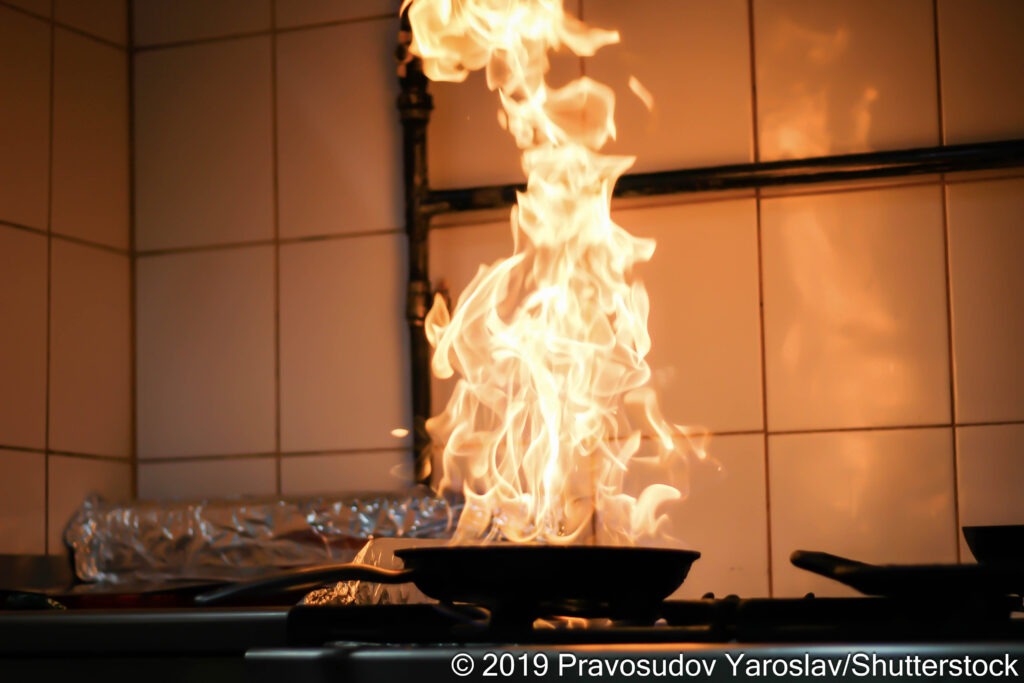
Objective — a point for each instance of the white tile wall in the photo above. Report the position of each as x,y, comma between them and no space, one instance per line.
171,21
203,144
23,278
90,351
205,353
986,244
855,310
90,140
343,349
24,118
981,61
853,284
844,76
336,104
64,94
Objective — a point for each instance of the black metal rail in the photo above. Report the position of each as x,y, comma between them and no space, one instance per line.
905,162
422,203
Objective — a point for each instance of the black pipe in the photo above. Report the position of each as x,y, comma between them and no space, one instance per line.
922,160
414,107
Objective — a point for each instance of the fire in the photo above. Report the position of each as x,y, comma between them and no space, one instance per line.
551,411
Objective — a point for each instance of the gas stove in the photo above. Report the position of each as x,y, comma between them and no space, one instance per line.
713,639
947,635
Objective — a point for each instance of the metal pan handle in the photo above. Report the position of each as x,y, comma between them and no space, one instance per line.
311,576
824,564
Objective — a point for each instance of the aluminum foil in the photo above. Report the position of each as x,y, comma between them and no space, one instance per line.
378,552
230,540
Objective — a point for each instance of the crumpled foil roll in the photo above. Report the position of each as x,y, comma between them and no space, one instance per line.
240,539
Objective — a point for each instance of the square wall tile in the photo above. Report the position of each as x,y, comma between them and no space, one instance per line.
170,21
72,480
855,309
90,351
106,19
346,473
212,480
883,497
205,353
90,140
22,503
23,342
990,472
338,130
724,516
304,12
705,319
694,58
845,76
24,118
982,67
203,151
986,246
344,381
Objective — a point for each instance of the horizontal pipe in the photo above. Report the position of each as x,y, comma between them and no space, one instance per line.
907,162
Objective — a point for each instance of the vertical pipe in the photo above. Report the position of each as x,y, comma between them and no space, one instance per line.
414,107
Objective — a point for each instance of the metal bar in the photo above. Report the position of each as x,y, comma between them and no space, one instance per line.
918,161
414,107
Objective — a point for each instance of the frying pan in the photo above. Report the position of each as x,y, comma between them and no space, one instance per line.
1002,544
506,577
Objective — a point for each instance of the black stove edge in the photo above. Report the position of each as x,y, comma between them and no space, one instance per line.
711,662
143,632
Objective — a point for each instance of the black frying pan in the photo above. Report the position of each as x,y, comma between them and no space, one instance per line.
1001,544
506,577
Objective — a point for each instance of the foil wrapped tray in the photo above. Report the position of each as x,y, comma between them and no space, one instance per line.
227,540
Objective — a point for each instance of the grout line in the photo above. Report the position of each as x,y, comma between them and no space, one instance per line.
93,456
60,24
107,42
49,293
68,454
190,42
948,264
66,238
266,242
133,262
168,459
276,208
938,73
755,141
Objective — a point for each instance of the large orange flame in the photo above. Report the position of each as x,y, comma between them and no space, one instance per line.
552,408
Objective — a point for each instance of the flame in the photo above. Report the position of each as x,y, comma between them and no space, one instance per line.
551,409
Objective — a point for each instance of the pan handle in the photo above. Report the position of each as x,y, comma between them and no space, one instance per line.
296,578
824,564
